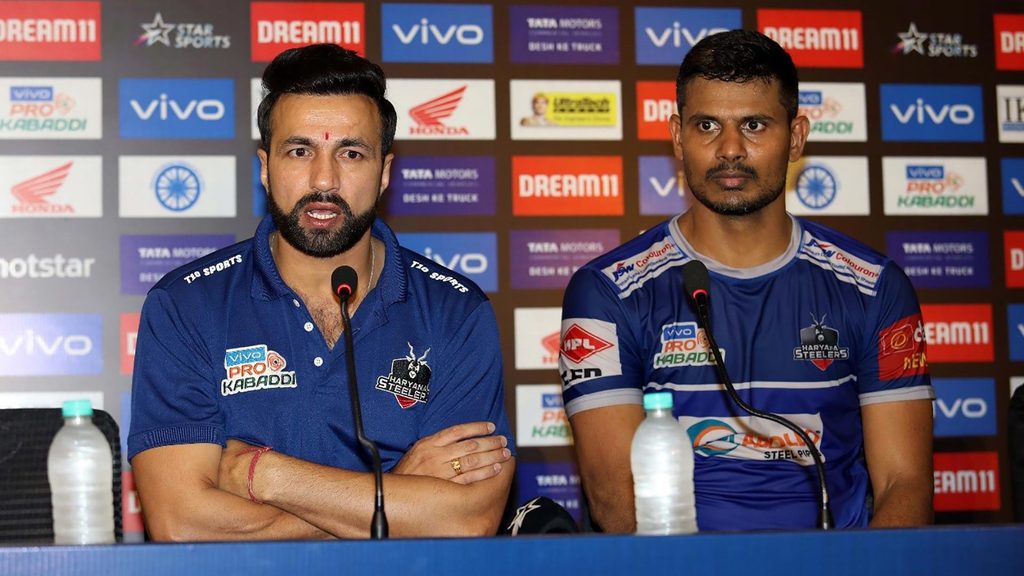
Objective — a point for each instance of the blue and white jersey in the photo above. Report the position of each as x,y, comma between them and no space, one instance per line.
825,328
227,350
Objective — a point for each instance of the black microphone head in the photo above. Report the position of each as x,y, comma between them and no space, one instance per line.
542,515
344,281
695,279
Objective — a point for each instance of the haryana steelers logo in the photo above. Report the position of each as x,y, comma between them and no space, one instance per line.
816,187
712,438
177,187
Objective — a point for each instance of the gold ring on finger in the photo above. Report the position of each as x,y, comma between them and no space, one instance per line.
456,465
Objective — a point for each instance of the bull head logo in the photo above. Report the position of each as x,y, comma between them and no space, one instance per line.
415,363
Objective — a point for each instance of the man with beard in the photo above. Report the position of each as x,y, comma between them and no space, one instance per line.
241,420
811,324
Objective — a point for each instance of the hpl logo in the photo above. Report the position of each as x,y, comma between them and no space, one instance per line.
179,108
932,113
473,255
47,344
964,406
437,33
665,35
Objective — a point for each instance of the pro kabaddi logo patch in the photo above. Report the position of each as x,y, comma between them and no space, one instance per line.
409,379
255,368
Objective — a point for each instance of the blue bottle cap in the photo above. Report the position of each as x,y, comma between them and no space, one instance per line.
72,408
658,401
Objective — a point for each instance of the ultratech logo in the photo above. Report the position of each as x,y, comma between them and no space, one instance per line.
966,481
958,332
50,31
566,109
56,266
253,368
567,185
655,105
816,38
684,344
750,438
409,380
277,26
186,35
436,33
819,345
934,44
934,185
901,349
1009,36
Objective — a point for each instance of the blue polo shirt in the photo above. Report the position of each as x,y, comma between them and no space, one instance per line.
227,350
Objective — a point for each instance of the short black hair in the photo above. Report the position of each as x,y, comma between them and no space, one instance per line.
325,70
740,56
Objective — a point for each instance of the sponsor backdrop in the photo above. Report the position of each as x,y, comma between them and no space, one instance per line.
531,138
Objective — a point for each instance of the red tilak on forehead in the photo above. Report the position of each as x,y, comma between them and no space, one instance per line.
326,136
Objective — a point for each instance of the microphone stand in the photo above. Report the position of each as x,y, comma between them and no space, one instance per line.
379,525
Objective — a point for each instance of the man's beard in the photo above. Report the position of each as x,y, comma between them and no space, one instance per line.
736,205
320,243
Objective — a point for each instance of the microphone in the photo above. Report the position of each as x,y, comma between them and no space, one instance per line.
542,515
698,286
344,281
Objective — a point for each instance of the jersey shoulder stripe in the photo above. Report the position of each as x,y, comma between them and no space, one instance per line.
850,261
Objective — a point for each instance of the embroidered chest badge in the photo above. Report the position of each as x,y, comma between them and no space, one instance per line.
819,344
255,368
409,379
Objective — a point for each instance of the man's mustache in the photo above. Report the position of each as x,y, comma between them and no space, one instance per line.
725,168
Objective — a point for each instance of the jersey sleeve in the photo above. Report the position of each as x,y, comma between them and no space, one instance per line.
472,386
599,359
173,397
894,364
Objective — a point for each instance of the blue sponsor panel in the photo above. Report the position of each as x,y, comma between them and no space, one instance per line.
662,190
665,35
932,113
50,344
145,259
259,193
177,108
1012,170
941,259
437,33
546,259
564,34
964,406
472,254
1015,330
442,186
559,481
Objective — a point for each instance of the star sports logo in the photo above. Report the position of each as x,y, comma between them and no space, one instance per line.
187,35
578,344
935,44
430,114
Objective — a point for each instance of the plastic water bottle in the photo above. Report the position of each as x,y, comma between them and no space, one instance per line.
80,468
662,461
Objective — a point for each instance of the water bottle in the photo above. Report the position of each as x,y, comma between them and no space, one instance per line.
80,468
662,461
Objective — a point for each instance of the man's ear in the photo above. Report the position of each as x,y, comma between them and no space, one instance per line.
675,129
264,159
385,174
799,128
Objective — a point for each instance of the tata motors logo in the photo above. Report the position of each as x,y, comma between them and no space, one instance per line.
51,186
828,185
41,31
51,109
964,407
934,44
836,111
1009,39
546,259
443,109
665,35
194,35
178,108
567,185
540,34
566,109
278,26
1010,110
474,255
932,113
939,186
947,259
442,185
816,38
50,344
1012,172
437,33
958,332
966,481
145,259
540,416
176,186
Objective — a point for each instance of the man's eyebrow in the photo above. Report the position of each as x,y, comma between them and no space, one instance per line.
352,143
300,140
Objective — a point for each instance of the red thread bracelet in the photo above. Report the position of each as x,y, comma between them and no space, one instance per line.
258,451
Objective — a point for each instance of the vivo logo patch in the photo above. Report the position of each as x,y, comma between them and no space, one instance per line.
50,344
932,113
178,108
437,33
964,406
665,35
473,255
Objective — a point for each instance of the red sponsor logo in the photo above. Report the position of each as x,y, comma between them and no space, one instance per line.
567,186
966,481
817,38
901,349
131,509
578,344
429,115
1013,240
129,332
50,31
278,26
33,194
958,332
551,344
655,104
1009,36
